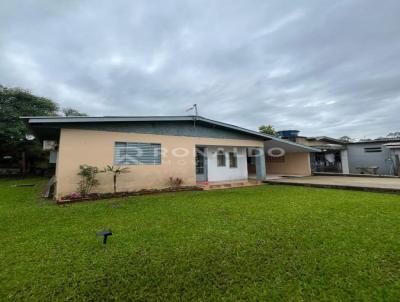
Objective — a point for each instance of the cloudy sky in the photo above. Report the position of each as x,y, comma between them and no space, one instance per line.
323,67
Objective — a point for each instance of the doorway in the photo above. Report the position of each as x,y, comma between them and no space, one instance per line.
201,164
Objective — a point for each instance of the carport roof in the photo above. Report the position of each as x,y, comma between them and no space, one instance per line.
288,146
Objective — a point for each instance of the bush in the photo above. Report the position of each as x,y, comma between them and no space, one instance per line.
88,179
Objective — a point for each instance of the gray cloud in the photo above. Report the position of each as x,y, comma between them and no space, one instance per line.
324,67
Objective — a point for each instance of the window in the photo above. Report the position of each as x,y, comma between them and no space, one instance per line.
232,160
373,149
137,154
221,158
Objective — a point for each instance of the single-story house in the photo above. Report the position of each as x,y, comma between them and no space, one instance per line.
195,149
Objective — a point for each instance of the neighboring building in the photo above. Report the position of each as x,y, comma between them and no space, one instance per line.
380,156
333,157
196,149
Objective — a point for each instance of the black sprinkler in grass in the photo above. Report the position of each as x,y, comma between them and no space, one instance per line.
105,235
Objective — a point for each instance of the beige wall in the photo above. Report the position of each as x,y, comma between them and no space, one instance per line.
304,141
96,148
296,163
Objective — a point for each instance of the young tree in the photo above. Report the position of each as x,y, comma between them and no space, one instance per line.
15,138
267,129
116,170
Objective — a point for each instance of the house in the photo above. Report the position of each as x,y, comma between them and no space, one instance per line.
333,157
379,156
196,149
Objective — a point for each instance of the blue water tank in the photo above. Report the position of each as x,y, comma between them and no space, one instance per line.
288,133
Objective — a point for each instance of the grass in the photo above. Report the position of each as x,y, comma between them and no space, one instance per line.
262,243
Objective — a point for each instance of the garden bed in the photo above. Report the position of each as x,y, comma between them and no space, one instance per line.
75,197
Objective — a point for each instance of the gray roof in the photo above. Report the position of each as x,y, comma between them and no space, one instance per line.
57,122
326,138
377,141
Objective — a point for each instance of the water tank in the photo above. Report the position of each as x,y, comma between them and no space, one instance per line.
288,133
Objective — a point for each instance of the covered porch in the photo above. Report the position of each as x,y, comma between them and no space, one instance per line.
285,158
229,166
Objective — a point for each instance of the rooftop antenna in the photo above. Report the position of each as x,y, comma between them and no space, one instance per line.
196,113
195,110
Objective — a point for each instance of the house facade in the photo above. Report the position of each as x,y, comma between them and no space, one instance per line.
192,148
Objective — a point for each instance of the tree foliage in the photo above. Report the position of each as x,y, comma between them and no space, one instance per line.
267,129
14,103
346,138
68,111
395,134
15,137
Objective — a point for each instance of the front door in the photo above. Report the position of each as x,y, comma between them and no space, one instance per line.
201,164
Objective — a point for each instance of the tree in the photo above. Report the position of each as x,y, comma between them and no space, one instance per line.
346,138
15,137
68,111
267,129
394,134
116,171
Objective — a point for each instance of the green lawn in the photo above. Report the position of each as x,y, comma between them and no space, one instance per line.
263,243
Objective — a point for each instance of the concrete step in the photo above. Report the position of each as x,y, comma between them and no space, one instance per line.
227,185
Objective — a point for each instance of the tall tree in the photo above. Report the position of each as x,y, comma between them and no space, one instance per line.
15,137
267,129
346,138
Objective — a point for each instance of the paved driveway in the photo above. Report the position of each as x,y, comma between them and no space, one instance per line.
361,183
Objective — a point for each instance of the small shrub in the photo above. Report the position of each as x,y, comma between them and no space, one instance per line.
88,176
175,182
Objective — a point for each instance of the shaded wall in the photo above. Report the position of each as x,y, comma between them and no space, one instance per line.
296,163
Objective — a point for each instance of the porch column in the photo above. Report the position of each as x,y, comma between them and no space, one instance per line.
260,164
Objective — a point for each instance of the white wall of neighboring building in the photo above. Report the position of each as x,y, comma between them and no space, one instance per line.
345,161
216,173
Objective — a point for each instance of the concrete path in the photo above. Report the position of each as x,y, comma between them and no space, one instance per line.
376,184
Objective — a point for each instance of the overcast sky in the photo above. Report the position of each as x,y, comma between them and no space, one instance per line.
323,67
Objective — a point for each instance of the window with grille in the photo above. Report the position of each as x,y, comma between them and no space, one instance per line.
221,158
137,153
232,160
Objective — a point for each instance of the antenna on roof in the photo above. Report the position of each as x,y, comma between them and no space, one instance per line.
196,113
195,110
